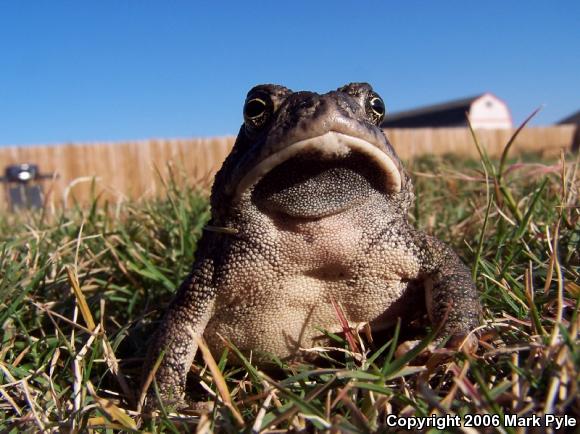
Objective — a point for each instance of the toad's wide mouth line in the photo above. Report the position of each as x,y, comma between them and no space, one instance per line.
330,145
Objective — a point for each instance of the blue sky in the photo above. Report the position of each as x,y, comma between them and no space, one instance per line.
74,71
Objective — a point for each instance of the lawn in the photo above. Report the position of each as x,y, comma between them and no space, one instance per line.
81,292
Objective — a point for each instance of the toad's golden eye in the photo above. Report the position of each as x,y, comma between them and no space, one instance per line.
257,111
376,108
254,108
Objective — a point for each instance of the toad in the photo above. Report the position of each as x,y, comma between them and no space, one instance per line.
309,211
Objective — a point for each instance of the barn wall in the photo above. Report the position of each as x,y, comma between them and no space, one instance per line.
490,112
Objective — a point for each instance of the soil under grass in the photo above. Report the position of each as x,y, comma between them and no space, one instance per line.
81,292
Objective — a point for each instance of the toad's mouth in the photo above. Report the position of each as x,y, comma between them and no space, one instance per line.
321,176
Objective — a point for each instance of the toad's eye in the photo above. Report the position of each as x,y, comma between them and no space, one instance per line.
375,108
257,110
254,108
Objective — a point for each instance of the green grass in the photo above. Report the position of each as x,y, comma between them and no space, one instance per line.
70,360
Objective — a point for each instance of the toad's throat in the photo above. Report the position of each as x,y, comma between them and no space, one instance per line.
307,187
331,146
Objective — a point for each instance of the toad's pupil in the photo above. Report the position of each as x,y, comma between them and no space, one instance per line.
254,108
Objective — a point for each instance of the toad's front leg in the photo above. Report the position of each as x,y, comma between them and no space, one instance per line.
176,338
451,296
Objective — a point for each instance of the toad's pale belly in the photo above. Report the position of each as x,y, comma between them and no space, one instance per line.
283,325
276,300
